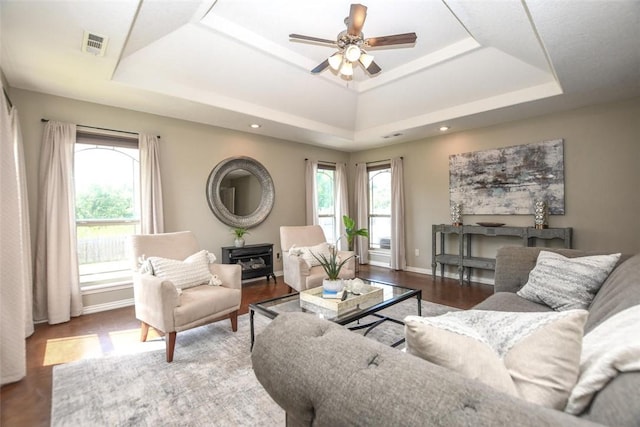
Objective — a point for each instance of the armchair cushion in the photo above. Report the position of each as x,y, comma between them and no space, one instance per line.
193,271
199,303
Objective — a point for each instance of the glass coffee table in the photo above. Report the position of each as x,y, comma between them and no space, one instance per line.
391,295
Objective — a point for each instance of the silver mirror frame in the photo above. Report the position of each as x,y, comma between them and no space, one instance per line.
213,192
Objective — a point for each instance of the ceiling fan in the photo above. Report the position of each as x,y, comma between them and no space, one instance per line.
351,44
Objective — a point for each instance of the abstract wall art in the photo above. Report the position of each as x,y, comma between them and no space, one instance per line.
506,181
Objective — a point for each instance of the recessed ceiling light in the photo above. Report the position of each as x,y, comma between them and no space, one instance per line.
255,125
444,128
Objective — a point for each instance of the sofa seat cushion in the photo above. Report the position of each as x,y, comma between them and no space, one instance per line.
509,301
199,302
567,283
534,355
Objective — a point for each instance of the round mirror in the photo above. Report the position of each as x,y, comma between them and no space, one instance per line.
240,192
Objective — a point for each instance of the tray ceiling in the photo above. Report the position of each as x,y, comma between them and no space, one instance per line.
230,63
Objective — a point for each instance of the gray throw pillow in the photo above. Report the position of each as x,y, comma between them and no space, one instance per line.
567,283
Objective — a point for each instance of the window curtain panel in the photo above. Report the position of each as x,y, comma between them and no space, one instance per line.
398,256
151,215
362,211
57,290
342,203
16,319
311,169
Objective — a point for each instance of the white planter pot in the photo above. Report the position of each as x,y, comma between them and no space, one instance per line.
239,242
332,285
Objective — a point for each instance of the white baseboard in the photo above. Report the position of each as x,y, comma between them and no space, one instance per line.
429,272
379,264
96,308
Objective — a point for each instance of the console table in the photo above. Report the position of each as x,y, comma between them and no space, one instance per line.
465,261
255,260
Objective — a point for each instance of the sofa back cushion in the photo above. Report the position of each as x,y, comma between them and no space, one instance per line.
513,264
617,403
565,283
620,291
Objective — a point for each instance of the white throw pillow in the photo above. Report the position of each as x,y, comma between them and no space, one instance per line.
306,252
567,283
534,356
193,271
610,348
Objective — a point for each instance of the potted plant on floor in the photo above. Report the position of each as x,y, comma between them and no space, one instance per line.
332,264
352,232
239,232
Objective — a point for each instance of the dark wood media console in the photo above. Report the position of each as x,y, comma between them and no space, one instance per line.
255,260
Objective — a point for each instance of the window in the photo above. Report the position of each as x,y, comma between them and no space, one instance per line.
326,200
379,207
107,186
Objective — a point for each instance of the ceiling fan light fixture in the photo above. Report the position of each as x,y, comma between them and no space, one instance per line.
350,44
352,53
346,69
366,59
335,61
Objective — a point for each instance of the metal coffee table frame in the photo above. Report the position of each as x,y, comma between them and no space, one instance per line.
292,302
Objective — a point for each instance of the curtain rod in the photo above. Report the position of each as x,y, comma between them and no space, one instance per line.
380,161
323,161
98,128
6,95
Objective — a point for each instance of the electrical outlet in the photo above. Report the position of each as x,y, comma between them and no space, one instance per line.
417,252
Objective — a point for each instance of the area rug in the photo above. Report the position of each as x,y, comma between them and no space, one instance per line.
209,383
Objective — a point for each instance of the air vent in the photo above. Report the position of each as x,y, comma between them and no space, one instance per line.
393,135
94,44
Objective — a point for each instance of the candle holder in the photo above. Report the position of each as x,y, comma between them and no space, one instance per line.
456,214
540,214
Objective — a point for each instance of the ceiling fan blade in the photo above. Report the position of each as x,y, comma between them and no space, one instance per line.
391,40
373,68
321,67
312,39
357,15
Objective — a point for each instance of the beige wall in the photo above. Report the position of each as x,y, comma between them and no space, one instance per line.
602,173
602,176
188,152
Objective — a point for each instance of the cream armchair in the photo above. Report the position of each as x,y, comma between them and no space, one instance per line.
160,305
297,273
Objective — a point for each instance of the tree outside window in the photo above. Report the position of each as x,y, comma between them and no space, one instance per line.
380,207
326,206
107,210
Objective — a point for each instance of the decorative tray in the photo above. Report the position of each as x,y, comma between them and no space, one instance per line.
312,300
490,224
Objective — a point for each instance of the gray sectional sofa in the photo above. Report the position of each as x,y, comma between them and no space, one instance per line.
324,375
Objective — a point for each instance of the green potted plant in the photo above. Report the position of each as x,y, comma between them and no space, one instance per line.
351,231
332,264
239,232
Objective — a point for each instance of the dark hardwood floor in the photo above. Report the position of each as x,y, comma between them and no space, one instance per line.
28,402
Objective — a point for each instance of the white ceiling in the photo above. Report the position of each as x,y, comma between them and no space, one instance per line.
230,63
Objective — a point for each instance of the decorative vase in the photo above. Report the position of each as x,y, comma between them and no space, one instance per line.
456,214
332,286
239,242
540,216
